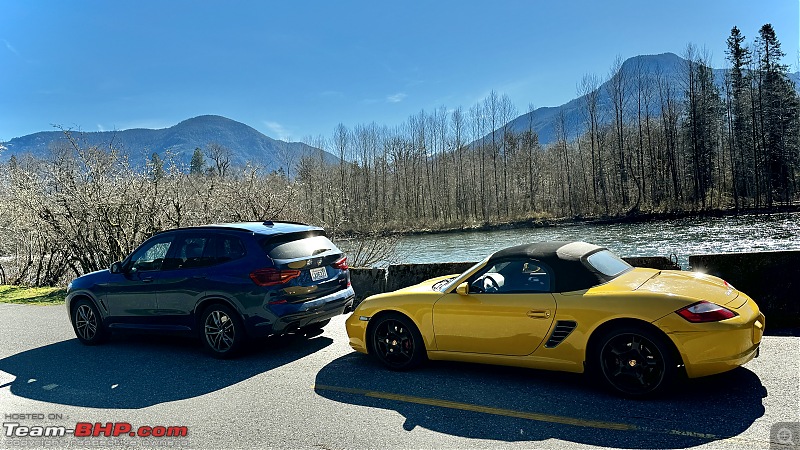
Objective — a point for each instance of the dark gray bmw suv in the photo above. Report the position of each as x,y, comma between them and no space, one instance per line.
223,282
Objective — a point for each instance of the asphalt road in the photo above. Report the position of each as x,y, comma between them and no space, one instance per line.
314,392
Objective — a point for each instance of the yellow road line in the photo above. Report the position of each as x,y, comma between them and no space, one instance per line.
482,409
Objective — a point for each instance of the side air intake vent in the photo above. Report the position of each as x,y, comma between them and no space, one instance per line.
560,332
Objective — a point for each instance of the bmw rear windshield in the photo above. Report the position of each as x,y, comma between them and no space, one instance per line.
298,245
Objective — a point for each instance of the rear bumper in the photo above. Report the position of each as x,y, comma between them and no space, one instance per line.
286,318
716,347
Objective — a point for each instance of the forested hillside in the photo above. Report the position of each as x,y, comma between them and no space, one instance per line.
668,141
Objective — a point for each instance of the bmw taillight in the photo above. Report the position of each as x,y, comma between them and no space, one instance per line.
341,264
705,312
272,276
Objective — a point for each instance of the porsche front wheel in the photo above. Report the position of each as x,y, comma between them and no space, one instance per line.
396,342
635,362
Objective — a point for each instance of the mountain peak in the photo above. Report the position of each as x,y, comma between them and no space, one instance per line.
208,119
247,144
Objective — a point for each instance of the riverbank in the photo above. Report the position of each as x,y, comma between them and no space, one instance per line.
627,218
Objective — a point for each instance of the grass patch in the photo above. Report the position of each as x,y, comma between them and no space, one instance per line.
32,295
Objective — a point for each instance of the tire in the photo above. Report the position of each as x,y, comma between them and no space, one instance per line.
221,331
635,362
87,323
396,342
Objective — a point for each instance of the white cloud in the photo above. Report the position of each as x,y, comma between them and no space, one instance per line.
396,98
279,131
100,127
10,47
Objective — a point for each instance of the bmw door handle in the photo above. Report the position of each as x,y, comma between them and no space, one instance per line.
539,313
147,279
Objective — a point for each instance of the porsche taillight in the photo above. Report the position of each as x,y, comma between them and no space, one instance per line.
705,312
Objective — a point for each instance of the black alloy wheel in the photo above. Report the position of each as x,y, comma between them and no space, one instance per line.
636,362
396,342
87,323
223,332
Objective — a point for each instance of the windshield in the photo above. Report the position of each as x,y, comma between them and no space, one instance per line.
452,282
608,263
301,248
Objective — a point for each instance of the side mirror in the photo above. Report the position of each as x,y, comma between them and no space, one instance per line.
462,289
116,267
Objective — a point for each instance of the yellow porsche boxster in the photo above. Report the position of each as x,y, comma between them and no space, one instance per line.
568,306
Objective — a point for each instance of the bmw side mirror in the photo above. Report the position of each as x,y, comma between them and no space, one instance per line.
116,267
463,289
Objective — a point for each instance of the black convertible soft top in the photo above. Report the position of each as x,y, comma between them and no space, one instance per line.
567,259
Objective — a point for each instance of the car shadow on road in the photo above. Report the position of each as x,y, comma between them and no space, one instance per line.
136,371
513,404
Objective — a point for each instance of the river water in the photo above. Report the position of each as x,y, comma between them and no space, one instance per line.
681,237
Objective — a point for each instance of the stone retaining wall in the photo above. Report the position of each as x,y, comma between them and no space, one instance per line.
772,279
367,282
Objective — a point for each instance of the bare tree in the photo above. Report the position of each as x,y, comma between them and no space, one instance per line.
220,156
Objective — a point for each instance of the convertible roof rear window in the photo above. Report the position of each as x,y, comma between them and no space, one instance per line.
608,263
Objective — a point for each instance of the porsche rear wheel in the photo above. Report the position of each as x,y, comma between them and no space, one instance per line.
396,342
636,362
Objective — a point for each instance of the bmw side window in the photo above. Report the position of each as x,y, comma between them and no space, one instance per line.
194,252
229,248
203,251
150,257
190,252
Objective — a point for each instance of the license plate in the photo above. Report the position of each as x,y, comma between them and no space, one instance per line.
319,273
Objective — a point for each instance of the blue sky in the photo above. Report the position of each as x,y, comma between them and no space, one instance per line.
295,69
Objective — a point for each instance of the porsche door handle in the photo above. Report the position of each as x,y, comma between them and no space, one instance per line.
539,314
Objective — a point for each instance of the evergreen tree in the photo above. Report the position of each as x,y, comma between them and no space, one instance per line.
198,164
739,123
779,117
156,167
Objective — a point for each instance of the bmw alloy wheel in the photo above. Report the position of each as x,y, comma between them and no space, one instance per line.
88,324
220,331
85,322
